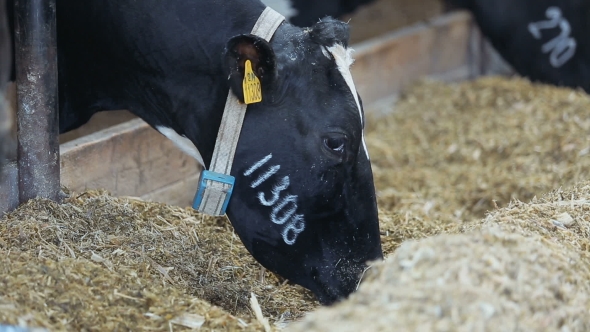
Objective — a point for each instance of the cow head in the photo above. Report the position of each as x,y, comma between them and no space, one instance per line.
304,200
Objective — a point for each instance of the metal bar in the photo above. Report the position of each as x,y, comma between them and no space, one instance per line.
36,80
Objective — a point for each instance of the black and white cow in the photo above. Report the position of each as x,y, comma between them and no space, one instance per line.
6,120
304,199
304,13
544,40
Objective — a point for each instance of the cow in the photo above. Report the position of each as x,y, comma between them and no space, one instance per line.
544,40
304,13
303,202
6,118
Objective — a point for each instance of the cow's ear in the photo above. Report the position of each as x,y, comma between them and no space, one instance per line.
329,31
241,48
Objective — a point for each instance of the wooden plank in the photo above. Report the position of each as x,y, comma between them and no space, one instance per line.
385,65
99,121
130,159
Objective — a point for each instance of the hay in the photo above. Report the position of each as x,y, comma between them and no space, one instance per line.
123,258
77,294
487,280
560,217
451,152
525,267
448,154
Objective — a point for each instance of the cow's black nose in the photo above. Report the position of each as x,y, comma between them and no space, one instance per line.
340,282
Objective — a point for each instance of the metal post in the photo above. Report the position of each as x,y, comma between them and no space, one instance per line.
36,80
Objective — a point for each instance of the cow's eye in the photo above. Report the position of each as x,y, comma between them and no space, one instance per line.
336,144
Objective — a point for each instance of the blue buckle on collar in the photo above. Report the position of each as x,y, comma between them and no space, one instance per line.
217,177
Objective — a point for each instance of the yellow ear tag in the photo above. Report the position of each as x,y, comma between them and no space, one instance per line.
251,85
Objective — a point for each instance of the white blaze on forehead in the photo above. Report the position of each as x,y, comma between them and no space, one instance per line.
182,142
343,58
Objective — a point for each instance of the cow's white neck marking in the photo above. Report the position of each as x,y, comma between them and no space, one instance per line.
182,142
283,210
276,191
257,165
343,58
263,177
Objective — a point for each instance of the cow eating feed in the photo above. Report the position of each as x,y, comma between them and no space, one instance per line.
304,199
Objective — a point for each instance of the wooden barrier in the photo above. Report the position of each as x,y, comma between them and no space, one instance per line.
131,159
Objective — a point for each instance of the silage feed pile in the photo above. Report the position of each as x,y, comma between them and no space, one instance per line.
100,263
524,268
446,154
451,152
